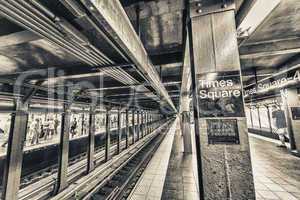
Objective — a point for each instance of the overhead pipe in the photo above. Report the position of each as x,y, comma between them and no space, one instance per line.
21,21
34,17
33,20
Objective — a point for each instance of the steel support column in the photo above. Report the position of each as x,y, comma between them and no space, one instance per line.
16,139
142,124
119,131
290,100
62,182
138,125
127,128
251,117
133,127
224,164
107,134
258,114
91,138
269,118
82,123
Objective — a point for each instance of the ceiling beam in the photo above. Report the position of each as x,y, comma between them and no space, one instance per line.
269,53
18,38
244,10
111,16
270,48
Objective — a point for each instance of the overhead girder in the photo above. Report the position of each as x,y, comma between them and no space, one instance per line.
111,16
75,39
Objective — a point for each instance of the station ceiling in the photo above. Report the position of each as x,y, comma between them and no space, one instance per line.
274,45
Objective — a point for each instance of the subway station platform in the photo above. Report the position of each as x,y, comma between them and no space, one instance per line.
172,175
276,171
149,99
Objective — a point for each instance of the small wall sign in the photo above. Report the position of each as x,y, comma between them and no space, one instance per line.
222,131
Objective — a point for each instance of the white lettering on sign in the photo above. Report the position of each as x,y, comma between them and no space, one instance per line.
274,84
203,94
216,83
224,89
297,75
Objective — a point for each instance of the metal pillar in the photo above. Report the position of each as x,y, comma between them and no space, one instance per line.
133,127
142,124
107,134
251,117
62,182
119,131
258,113
151,122
223,161
290,99
91,138
138,125
127,128
16,139
82,123
269,118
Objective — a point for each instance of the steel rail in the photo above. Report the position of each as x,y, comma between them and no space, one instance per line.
86,184
43,188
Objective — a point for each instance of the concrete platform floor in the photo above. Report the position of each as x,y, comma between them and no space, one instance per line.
276,172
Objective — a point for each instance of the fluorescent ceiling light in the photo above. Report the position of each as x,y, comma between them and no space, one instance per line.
257,14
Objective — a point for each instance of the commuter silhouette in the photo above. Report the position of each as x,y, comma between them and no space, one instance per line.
73,127
280,123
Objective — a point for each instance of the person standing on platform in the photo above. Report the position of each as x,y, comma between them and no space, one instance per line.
280,123
56,124
84,128
51,128
73,127
35,132
46,129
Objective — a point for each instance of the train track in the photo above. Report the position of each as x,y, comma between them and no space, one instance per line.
88,185
120,183
37,174
42,188
41,184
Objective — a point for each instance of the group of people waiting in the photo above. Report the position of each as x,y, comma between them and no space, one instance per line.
42,130
47,129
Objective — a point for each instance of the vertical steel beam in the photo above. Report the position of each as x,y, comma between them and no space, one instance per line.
91,138
127,127
82,123
258,114
133,127
151,122
224,165
269,119
290,99
142,123
107,134
251,117
119,131
63,149
148,121
138,125
16,139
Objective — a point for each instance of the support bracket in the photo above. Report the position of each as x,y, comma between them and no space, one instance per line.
205,7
